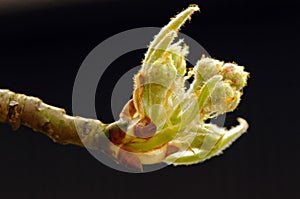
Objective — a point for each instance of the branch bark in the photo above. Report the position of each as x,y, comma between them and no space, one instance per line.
18,109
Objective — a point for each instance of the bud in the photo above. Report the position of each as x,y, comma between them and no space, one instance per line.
162,72
158,79
224,98
204,70
235,74
154,86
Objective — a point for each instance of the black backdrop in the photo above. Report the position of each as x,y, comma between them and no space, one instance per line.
42,48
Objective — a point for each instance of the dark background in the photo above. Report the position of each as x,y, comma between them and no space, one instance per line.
42,47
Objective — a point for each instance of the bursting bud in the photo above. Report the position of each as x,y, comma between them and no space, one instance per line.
179,51
180,63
